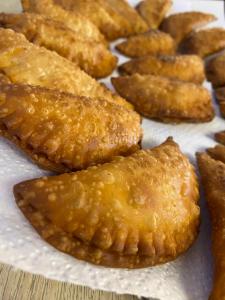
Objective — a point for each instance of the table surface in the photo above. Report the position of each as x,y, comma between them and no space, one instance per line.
18,285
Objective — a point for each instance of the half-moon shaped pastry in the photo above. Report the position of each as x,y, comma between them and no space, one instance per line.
153,12
220,137
218,152
213,178
62,132
153,42
182,67
181,24
204,42
220,96
134,212
78,23
25,63
166,100
91,56
215,70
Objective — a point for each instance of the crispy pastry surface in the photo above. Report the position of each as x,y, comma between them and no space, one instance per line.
215,70
166,100
181,67
181,24
134,212
220,137
218,152
78,23
153,12
213,178
91,56
204,42
3,79
153,42
220,96
26,63
63,132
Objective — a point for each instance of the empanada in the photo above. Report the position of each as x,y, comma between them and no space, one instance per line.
220,96
165,99
213,178
154,11
215,70
62,132
134,212
220,137
181,24
181,67
91,56
78,23
153,42
218,152
25,63
204,42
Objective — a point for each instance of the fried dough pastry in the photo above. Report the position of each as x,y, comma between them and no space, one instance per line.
134,212
94,58
153,42
218,152
220,96
213,178
181,24
215,70
165,99
25,63
3,79
153,12
62,132
78,23
204,42
220,137
181,67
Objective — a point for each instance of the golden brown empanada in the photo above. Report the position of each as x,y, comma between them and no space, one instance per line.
165,99
181,24
3,79
181,67
213,178
220,137
78,23
204,42
62,132
154,11
215,70
134,212
153,42
220,96
218,152
91,56
25,63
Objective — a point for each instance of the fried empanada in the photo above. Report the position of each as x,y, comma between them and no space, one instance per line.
154,11
25,63
220,96
3,79
134,212
91,56
165,99
62,132
153,42
181,67
215,70
213,178
78,23
220,137
181,24
204,42
218,152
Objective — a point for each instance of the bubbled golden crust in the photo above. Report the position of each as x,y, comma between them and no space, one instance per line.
215,70
62,132
153,42
218,152
153,12
78,23
220,137
181,67
26,63
91,56
220,96
204,42
213,179
166,100
181,24
134,212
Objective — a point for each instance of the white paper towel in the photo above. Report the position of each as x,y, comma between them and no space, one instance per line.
187,278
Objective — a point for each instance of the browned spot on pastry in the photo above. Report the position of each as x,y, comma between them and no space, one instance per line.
215,70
